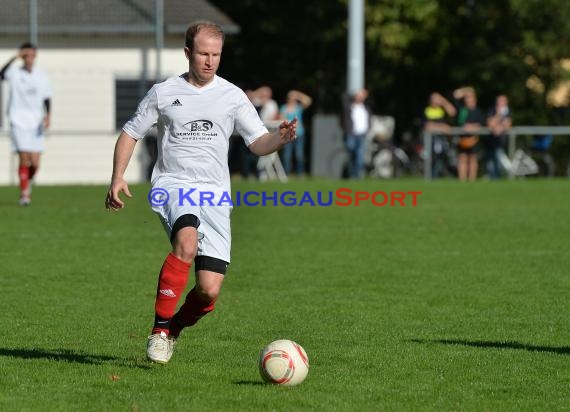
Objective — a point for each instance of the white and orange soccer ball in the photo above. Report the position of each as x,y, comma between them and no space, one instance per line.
283,362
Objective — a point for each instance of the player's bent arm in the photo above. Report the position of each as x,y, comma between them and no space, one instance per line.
266,144
47,108
271,142
123,151
5,67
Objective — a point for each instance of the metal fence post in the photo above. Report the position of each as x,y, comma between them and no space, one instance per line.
159,36
511,150
33,10
427,154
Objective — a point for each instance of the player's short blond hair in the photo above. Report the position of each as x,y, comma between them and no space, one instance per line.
215,30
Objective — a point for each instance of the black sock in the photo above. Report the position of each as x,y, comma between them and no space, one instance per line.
161,323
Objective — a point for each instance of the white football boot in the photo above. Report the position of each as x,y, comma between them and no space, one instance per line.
160,347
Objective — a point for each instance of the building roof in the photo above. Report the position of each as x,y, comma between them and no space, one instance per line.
107,17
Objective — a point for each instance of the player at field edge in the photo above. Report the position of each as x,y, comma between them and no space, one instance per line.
210,106
29,113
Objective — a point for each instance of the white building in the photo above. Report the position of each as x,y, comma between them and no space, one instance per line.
101,56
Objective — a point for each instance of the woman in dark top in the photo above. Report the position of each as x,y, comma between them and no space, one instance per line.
471,118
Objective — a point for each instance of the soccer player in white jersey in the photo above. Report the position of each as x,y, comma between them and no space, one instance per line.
195,115
29,114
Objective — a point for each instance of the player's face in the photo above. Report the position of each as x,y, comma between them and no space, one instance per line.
28,55
204,57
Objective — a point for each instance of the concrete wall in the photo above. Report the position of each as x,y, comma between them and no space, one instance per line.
80,142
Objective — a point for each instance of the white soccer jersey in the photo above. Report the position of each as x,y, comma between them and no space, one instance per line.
194,128
28,90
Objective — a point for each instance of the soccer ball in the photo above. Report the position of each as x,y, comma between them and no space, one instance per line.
283,362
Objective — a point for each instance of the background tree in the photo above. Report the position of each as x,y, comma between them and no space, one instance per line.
412,47
295,44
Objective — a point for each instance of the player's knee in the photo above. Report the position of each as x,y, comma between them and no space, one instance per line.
185,250
208,290
208,293
184,237
210,273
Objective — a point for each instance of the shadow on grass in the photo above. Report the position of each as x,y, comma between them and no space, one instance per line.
559,350
66,355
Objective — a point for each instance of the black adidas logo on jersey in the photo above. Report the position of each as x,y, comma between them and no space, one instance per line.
176,103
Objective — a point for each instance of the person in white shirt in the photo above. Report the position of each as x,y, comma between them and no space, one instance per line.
294,107
28,112
356,120
268,108
195,114
262,100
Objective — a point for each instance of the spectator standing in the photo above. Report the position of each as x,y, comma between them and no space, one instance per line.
436,114
296,103
471,118
29,113
268,108
499,121
356,121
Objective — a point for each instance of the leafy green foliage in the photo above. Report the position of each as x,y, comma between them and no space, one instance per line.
412,48
494,46
294,45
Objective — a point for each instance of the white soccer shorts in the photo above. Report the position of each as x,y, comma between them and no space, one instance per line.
27,140
214,232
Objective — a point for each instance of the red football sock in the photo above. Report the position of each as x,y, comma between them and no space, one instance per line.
24,174
171,283
32,171
193,309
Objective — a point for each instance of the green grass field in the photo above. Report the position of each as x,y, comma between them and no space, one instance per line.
460,303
